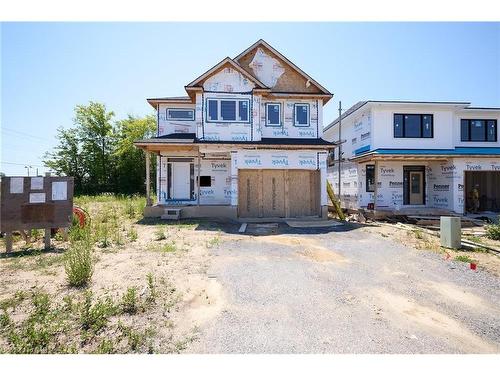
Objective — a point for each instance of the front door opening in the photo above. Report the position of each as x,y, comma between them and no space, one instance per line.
414,185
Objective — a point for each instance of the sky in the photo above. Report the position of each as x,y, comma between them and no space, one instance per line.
49,68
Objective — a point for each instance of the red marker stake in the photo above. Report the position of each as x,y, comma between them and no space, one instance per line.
473,266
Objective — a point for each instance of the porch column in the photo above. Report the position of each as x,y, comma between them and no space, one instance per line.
198,179
149,202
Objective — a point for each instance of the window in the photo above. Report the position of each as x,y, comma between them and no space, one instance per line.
180,114
205,181
478,130
301,115
370,178
228,110
273,114
413,126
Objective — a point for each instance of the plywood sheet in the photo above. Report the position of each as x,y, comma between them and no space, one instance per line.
303,193
273,187
249,193
23,207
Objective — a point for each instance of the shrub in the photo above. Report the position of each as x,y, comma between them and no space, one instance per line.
94,317
132,234
169,247
78,263
130,301
159,234
493,231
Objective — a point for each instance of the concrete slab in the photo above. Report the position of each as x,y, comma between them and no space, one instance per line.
313,223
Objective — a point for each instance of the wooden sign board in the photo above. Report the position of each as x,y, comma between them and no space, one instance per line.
36,203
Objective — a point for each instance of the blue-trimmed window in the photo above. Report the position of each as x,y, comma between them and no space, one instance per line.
182,114
273,114
228,110
478,130
413,126
301,114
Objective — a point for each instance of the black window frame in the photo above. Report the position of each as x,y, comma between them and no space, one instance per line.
203,180
469,123
180,109
372,167
237,101
421,115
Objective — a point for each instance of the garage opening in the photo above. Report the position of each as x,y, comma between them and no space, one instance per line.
278,193
482,191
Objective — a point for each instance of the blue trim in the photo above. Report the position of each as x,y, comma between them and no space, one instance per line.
362,150
280,112
236,100
456,151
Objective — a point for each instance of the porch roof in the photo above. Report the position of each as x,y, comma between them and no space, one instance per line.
409,154
189,139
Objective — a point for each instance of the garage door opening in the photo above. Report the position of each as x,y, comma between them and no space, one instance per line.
278,193
482,191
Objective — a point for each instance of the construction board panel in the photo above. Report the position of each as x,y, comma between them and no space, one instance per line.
273,186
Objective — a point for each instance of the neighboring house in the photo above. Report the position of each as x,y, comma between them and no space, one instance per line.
417,156
246,141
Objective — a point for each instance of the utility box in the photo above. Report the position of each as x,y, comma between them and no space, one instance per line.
451,232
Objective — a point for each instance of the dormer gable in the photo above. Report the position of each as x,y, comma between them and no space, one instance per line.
277,72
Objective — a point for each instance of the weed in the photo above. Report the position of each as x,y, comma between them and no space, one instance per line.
13,302
475,239
493,231
418,234
152,288
130,301
137,339
465,259
78,263
159,234
94,317
132,234
214,242
105,347
4,319
169,247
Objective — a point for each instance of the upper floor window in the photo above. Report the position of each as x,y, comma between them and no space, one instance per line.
273,114
413,126
180,114
301,115
228,110
478,130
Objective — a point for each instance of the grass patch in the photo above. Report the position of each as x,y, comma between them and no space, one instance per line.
130,301
159,234
78,263
465,259
493,232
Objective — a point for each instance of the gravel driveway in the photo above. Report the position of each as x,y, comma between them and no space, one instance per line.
346,291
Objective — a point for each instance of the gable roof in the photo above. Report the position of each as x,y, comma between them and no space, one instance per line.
262,42
219,66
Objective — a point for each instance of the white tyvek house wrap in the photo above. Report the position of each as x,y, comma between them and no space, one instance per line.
277,159
349,174
287,128
220,173
174,126
228,80
226,131
199,115
266,68
361,134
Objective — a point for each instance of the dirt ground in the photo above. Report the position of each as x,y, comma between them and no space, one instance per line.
177,263
419,239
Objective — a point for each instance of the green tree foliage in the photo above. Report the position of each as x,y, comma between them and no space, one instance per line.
99,152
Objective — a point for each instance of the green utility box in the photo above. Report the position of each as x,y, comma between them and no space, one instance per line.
451,232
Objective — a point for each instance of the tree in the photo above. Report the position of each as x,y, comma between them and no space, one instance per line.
101,154
96,134
130,161
66,159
